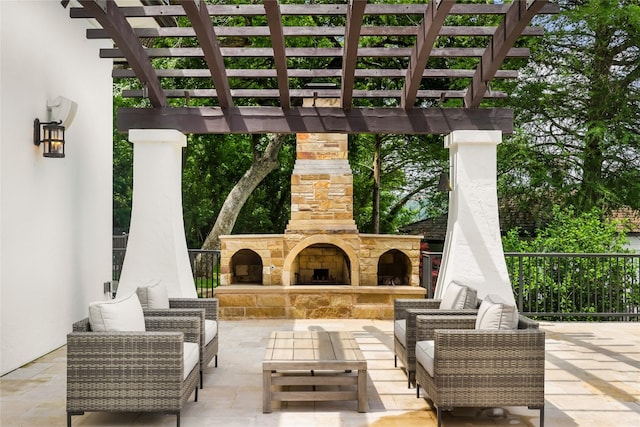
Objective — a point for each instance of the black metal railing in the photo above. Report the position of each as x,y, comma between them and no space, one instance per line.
562,286
547,286
205,265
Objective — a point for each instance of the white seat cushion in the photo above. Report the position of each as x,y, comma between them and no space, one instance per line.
496,313
425,351
123,314
210,330
191,356
153,295
457,297
400,331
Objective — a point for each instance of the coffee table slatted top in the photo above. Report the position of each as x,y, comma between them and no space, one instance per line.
313,350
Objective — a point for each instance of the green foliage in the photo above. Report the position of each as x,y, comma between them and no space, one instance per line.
577,108
571,232
577,281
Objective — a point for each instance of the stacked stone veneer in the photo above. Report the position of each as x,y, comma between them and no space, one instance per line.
321,233
311,302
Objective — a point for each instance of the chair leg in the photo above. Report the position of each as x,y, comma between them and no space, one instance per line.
196,399
70,413
216,357
417,390
201,380
395,361
178,419
542,416
439,412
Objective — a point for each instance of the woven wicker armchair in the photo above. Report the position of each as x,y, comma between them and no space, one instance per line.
131,371
482,368
405,312
206,309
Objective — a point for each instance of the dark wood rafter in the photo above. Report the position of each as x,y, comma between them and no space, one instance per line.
517,18
310,93
355,13
428,30
317,9
351,63
293,31
274,19
196,10
252,73
318,119
302,52
109,16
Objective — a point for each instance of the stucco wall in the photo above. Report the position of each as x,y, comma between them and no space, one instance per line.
55,214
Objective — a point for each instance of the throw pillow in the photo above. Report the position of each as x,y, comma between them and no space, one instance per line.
457,297
496,313
117,315
153,295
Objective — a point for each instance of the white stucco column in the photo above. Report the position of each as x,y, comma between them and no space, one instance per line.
157,247
473,253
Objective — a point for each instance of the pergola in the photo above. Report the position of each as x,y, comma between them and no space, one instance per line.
345,44
214,37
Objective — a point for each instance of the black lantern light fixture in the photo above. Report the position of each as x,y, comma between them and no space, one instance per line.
51,134
443,183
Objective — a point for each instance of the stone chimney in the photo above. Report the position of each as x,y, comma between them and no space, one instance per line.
322,182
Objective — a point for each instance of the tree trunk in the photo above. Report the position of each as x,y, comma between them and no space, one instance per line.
237,197
600,111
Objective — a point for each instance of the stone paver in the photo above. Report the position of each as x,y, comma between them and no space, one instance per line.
592,380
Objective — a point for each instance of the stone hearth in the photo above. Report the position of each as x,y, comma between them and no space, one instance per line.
321,267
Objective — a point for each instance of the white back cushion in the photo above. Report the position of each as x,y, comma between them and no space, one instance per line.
153,295
457,297
495,313
117,315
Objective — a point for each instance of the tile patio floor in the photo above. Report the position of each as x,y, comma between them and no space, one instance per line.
592,380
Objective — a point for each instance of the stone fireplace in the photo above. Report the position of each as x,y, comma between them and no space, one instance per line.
321,252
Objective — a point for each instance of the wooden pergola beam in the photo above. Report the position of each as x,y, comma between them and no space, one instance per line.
294,31
516,19
326,52
311,9
274,19
322,119
197,12
310,93
429,29
109,15
250,73
355,13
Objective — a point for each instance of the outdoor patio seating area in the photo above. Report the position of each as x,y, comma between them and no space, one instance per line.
592,378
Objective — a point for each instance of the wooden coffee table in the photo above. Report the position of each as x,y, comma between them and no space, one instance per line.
317,361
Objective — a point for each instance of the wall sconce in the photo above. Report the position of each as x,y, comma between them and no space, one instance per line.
51,134
443,183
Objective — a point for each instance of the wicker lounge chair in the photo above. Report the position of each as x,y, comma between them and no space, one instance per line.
481,368
209,317
131,371
405,312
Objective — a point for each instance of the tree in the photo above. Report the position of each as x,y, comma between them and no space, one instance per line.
263,163
578,110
